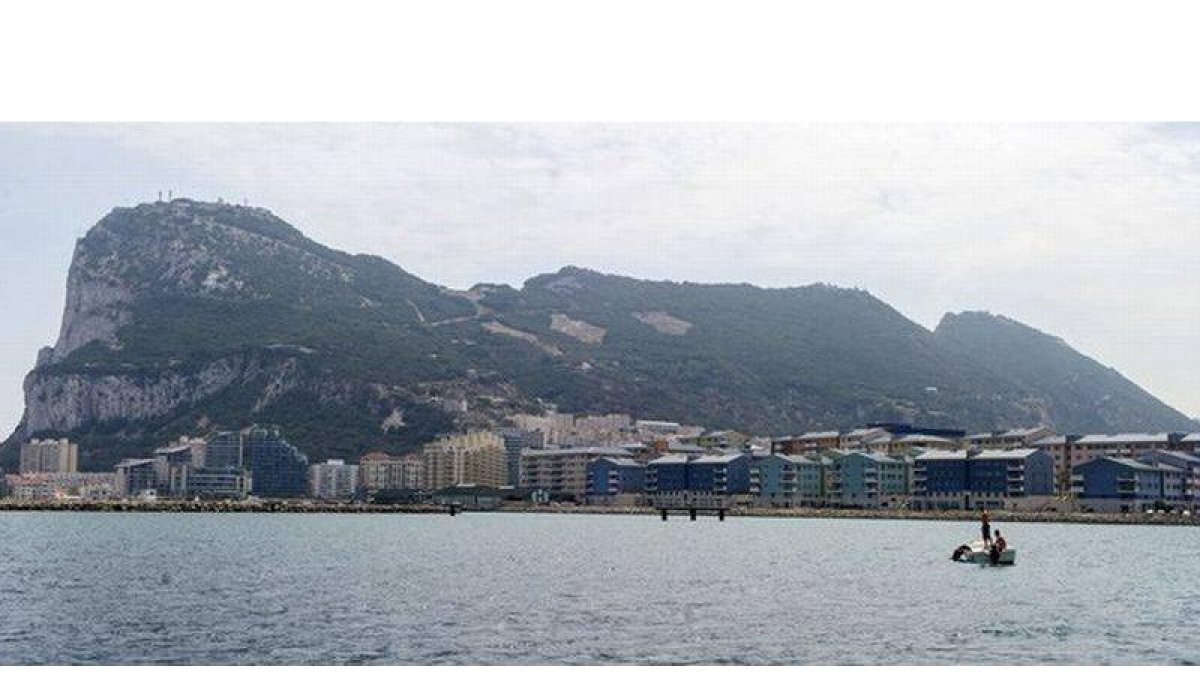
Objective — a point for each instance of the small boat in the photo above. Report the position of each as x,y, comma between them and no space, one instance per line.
976,552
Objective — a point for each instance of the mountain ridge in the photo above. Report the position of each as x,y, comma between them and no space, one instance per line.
184,316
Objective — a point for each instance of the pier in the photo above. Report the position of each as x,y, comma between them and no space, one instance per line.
693,511
692,503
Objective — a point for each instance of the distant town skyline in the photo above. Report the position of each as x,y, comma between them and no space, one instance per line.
1083,231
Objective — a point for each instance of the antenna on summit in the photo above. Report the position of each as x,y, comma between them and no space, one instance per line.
170,195
160,195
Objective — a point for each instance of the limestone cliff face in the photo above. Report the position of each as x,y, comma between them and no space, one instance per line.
68,401
95,309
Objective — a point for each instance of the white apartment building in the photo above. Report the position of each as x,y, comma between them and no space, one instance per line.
334,480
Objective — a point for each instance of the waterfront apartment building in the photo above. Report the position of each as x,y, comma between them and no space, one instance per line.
1091,446
474,458
277,469
787,480
56,486
1020,478
668,473
720,474
870,480
615,480
49,456
563,471
180,473
1121,484
198,482
1186,462
381,471
136,478
1059,447
1012,479
516,440
334,480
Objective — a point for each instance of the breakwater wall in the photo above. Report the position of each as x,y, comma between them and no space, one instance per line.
167,506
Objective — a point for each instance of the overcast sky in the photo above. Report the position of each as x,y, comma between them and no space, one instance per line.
1088,232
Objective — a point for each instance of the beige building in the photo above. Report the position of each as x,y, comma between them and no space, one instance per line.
475,458
381,471
49,456
858,439
911,444
1059,448
562,470
54,486
1010,439
1071,451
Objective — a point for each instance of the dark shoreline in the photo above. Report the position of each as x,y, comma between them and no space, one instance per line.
741,512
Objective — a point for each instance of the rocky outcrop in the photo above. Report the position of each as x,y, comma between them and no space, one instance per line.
577,328
96,307
67,401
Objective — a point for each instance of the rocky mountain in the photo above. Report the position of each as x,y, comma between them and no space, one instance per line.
1078,392
186,316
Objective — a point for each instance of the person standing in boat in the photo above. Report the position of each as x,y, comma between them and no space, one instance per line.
985,525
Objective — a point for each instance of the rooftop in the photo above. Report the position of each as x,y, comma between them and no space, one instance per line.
716,459
923,438
1122,438
1183,457
591,451
620,461
1014,453
815,435
1050,440
1123,461
939,455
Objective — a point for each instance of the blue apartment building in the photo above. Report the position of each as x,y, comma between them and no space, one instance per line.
668,473
615,480
1121,484
1000,479
870,480
1188,463
941,479
721,474
277,468
787,480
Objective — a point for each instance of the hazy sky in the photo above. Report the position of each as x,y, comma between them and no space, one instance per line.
1088,232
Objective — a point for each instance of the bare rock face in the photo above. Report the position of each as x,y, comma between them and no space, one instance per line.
577,328
96,307
663,322
71,400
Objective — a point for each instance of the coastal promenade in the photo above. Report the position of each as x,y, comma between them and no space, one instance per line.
299,507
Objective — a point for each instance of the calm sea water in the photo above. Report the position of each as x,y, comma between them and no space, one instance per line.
587,589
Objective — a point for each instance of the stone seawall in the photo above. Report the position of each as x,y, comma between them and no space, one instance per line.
165,506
